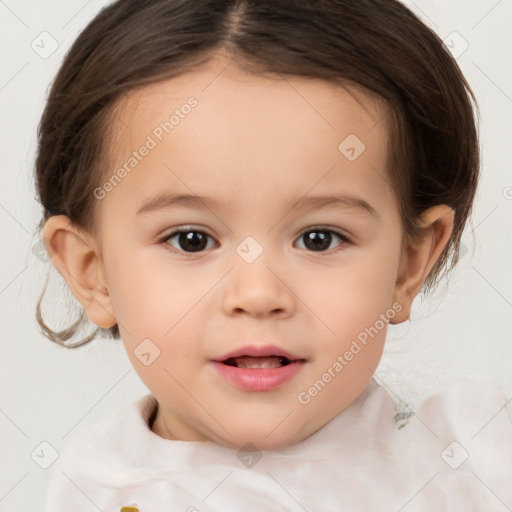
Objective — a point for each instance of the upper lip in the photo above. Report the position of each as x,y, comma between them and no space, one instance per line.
258,351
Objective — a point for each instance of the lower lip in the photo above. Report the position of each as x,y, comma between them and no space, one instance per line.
258,379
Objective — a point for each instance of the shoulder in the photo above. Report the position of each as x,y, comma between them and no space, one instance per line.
96,456
472,413
465,430
473,408
467,403
454,445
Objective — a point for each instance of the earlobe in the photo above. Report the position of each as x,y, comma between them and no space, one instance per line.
77,258
419,256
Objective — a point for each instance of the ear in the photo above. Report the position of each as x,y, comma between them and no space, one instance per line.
419,256
76,255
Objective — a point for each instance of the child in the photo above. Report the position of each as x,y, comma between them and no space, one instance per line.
247,194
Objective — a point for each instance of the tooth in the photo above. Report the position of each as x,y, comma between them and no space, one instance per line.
258,362
263,364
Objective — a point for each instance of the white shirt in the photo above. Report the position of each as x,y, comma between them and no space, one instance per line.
453,454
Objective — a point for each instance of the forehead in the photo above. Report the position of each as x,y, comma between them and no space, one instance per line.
218,124
220,85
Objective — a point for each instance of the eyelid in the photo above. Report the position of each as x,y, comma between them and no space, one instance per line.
185,228
335,230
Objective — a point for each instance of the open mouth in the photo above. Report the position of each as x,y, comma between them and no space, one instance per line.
257,362
258,368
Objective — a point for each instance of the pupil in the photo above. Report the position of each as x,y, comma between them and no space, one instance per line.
192,241
318,240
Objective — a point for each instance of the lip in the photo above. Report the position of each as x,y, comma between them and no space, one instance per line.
258,379
258,351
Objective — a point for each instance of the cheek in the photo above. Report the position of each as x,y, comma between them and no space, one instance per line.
146,291
160,302
354,292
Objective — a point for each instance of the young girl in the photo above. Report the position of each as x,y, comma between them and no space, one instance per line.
247,194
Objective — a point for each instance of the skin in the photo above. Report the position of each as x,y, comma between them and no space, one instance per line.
257,145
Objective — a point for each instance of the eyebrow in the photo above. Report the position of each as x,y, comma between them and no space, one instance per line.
164,201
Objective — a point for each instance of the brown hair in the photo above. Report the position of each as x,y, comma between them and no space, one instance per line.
377,45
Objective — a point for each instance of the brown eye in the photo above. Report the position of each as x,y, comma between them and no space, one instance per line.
189,240
320,240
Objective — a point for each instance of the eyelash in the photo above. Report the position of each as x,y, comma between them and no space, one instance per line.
344,239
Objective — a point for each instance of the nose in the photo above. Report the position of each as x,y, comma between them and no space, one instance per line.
258,291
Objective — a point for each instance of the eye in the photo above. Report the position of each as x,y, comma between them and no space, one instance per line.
192,240
189,240
320,239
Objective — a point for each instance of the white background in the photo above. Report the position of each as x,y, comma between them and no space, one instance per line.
49,392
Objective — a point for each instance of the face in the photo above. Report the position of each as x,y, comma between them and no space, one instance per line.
250,251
